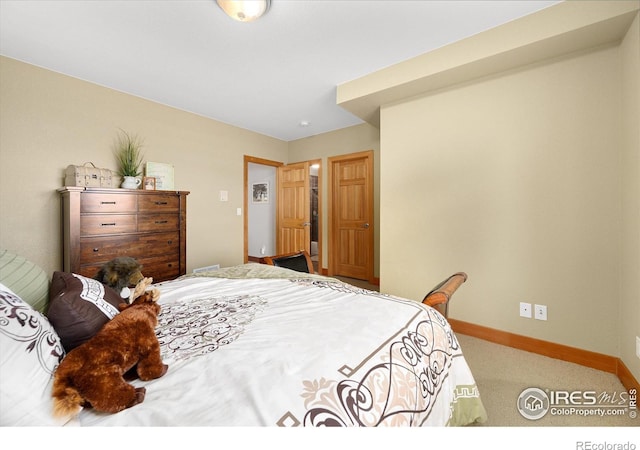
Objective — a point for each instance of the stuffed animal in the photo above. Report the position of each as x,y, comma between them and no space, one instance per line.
120,273
91,375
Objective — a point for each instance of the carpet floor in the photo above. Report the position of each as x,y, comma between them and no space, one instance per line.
503,373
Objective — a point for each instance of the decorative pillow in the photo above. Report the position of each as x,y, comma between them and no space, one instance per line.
79,307
30,351
26,279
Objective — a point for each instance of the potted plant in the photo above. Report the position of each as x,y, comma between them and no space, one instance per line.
128,150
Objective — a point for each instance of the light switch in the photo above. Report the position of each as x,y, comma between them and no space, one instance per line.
224,196
238,211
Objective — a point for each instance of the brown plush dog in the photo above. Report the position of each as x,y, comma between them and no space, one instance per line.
119,273
91,375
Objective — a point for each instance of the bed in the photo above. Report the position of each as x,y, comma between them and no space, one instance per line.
259,345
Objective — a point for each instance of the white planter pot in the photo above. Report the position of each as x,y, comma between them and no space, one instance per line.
131,183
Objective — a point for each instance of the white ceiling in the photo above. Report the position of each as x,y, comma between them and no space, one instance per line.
266,76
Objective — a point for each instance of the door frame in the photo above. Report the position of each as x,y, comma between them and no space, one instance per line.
265,162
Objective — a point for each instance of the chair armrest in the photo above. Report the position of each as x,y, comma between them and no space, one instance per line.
441,294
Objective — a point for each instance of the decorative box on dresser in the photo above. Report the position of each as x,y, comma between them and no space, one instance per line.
100,224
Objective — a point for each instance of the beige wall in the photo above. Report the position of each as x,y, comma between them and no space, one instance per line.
514,179
48,121
630,273
341,142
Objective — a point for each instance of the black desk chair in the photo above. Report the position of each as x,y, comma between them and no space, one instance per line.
298,261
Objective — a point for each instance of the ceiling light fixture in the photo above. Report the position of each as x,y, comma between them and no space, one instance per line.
244,10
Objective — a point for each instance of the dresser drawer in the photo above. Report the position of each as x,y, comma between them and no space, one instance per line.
159,203
166,267
158,222
161,269
98,250
107,224
106,203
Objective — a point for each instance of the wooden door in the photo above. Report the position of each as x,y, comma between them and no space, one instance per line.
293,218
351,216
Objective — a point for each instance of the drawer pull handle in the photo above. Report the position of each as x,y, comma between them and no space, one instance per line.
162,203
107,203
112,224
96,249
158,222
169,265
169,242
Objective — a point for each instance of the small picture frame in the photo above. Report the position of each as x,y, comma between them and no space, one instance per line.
149,183
260,192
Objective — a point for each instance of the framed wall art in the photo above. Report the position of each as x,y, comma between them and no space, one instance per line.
163,173
260,192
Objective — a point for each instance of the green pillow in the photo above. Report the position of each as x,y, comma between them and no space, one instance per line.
27,280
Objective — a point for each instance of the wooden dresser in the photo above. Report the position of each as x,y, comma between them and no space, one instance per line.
100,224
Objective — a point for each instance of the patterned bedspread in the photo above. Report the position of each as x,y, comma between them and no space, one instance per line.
256,345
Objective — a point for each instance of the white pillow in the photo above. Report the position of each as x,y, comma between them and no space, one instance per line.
30,351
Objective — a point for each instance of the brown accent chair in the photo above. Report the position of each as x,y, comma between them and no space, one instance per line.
298,261
440,295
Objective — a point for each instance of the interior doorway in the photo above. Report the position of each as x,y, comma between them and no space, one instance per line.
264,201
260,212
316,223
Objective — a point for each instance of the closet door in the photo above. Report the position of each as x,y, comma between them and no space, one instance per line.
351,216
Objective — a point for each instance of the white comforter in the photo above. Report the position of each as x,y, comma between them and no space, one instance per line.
300,352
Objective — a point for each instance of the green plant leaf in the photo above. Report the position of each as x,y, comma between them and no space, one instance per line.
128,151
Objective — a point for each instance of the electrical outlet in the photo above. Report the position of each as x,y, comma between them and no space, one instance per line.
525,310
638,347
540,312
